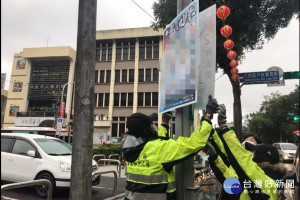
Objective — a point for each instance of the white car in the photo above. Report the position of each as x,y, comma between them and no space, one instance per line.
287,151
26,157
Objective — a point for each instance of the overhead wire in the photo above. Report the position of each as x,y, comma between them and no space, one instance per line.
143,9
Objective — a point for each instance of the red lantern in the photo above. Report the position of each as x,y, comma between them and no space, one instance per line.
234,77
234,63
234,70
226,31
223,12
228,44
231,55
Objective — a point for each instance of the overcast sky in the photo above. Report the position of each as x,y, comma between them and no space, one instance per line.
31,23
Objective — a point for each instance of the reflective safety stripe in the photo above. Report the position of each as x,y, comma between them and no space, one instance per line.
147,179
138,196
171,186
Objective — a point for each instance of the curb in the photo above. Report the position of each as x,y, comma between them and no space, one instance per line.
119,196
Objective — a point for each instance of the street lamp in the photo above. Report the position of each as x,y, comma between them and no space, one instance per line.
62,103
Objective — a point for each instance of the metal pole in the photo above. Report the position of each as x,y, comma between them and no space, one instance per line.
82,145
184,172
62,92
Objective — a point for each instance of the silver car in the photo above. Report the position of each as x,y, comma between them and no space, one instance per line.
287,151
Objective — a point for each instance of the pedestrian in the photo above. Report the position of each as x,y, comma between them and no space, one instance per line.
150,160
259,171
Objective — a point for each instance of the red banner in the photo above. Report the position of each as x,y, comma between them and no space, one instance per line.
62,109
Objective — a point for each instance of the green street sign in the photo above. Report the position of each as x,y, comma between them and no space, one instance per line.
291,75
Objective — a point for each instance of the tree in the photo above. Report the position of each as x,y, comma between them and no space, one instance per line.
253,23
273,121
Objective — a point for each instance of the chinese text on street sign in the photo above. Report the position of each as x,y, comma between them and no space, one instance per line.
259,77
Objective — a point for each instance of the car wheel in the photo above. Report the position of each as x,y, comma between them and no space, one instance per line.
42,190
281,159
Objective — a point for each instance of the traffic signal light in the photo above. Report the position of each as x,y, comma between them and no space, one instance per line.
293,118
291,75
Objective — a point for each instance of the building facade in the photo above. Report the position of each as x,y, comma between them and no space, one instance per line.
3,79
126,79
37,77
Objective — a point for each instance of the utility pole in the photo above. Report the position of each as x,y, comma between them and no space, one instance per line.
184,172
82,145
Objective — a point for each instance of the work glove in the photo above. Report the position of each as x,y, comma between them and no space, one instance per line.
211,107
167,116
222,116
209,150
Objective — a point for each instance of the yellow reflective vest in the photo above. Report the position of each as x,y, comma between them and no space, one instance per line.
150,173
243,168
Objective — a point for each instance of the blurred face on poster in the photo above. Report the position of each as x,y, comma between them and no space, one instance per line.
20,64
13,111
17,86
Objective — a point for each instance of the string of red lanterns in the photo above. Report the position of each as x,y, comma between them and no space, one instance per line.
223,12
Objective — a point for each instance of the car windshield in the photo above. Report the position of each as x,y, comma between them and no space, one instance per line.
288,147
54,147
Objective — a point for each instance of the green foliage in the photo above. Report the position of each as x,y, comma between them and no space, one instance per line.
107,149
164,12
276,117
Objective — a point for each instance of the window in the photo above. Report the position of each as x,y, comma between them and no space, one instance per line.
142,50
97,54
96,76
108,73
131,75
117,76
95,100
125,51
116,99
124,75
105,51
154,99
22,147
141,75
149,49
106,102
140,99
109,54
121,129
118,55
149,52
155,52
115,118
147,98
114,131
132,52
5,144
102,76
130,99
122,119
100,100
155,74
148,75
103,55
123,99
